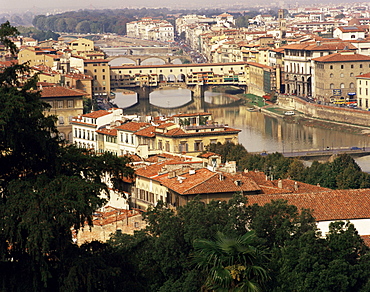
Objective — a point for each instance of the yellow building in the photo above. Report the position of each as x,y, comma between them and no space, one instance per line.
38,56
81,46
195,133
363,91
100,72
65,104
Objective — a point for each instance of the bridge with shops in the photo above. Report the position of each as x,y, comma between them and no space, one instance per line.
195,77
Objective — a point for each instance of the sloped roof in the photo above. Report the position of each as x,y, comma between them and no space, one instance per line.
204,181
132,126
342,58
327,205
59,91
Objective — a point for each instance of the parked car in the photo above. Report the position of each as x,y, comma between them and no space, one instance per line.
355,148
289,113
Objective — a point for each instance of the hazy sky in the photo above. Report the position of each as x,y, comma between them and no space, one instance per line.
8,5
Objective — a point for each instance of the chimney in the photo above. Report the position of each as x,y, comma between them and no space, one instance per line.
295,186
220,177
280,184
318,43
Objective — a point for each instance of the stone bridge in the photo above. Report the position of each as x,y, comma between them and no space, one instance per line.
195,77
167,59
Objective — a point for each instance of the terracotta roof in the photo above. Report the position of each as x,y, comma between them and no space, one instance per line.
97,114
133,126
109,132
350,29
165,125
204,181
59,91
181,133
208,154
367,75
146,132
342,58
322,46
326,206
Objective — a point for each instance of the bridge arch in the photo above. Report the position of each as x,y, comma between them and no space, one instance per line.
142,59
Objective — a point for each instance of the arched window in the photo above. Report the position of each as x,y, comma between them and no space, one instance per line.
351,74
341,75
342,85
331,75
331,85
351,85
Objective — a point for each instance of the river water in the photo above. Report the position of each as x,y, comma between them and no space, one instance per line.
260,132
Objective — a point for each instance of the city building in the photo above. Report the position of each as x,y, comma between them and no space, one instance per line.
65,104
334,75
363,91
151,29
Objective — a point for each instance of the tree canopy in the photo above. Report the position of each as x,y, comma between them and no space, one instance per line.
46,187
342,173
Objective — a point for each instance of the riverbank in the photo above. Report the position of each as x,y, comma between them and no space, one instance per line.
277,110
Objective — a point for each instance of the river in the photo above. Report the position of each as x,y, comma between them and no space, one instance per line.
260,132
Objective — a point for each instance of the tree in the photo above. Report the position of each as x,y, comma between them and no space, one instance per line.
231,263
46,187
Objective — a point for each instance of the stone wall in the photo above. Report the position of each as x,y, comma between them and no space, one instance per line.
103,231
325,112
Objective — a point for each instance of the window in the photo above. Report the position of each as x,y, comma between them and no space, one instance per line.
331,85
331,75
70,103
360,65
351,85
60,103
342,85
341,66
351,75
352,66
198,146
331,67
341,75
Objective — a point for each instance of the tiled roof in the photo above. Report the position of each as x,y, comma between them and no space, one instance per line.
146,132
97,114
367,75
133,126
208,154
59,91
178,132
326,206
342,58
322,46
109,132
204,181
165,125
350,29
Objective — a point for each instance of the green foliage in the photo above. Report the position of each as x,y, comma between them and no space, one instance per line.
342,173
338,262
230,263
38,34
46,188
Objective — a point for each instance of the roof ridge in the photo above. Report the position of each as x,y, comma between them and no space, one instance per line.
201,182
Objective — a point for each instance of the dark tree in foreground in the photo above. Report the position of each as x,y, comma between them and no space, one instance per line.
230,263
46,187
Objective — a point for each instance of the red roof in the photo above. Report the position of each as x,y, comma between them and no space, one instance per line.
59,91
327,205
342,58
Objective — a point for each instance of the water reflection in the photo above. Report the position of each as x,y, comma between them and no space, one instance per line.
259,131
